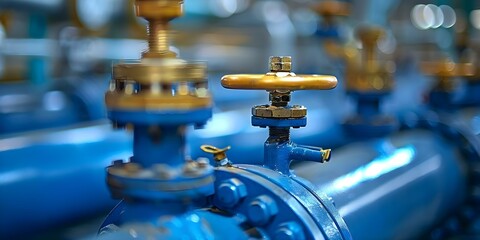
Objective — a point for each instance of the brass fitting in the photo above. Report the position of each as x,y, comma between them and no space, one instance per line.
158,13
219,154
280,64
368,74
159,81
446,70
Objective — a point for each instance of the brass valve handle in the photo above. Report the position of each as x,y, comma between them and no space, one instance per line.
218,153
279,78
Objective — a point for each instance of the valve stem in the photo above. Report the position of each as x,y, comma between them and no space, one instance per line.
158,14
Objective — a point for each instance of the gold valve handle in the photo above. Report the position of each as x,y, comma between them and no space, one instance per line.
279,82
279,78
218,153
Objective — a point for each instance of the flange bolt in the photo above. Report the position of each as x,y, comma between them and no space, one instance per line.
261,210
230,192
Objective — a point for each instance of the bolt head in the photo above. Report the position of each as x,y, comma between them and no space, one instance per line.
261,210
230,192
267,111
289,231
280,63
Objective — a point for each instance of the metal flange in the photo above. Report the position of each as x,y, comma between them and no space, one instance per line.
163,70
158,84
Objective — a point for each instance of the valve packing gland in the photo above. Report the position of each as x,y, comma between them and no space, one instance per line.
160,72
116,100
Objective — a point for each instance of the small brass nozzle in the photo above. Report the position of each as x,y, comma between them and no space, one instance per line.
326,153
219,154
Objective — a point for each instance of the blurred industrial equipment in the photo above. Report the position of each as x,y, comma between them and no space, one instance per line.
400,131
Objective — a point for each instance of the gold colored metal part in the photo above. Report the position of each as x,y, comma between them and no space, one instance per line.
116,100
159,84
326,154
369,36
368,73
279,81
332,8
446,70
158,13
281,64
268,111
151,73
218,153
159,80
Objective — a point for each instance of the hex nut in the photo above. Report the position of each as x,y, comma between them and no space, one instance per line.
280,63
268,111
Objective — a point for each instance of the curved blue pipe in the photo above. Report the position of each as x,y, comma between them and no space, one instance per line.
49,179
396,187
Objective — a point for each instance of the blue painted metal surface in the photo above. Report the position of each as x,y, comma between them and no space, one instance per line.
279,154
49,179
468,96
403,184
369,121
191,225
163,117
231,128
325,31
24,107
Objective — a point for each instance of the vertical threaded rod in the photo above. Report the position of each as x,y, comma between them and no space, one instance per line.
157,36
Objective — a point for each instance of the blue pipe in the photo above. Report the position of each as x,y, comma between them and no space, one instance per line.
153,143
49,179
399,186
